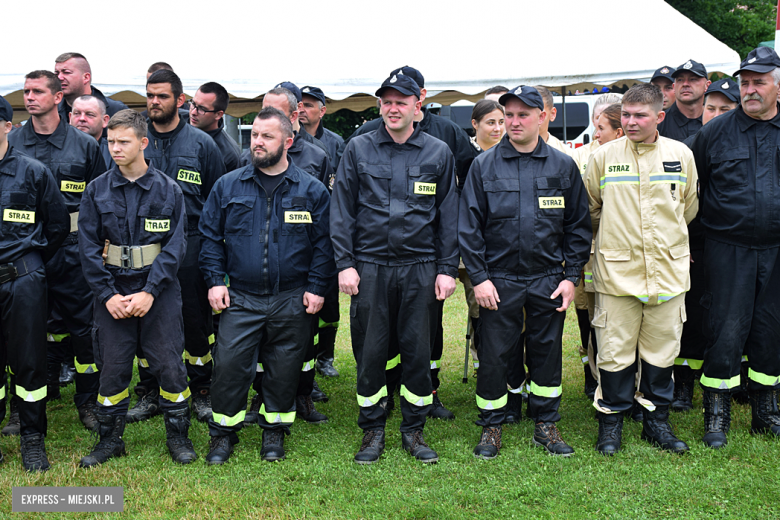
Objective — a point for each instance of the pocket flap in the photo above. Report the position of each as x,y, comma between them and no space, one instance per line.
248,201
552,183
616,255
732,154
679,251
599,317
499,185
379,171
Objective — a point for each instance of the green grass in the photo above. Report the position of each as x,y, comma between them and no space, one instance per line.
319,479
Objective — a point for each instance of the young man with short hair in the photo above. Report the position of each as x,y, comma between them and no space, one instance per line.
207,111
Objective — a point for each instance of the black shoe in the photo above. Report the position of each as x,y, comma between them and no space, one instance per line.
67,374
657,430
610,433
717,418
414,443
590,382
304,406
87,415
12,427
514,409
489,444
372,447
110,429
273,445
438,411
317,395
220,449
636,413
546,434
682,401
325,367
147,407
201,405
34,452
253,415
177,428
766,417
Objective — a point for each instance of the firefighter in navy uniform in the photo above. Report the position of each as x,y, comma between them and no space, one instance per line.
207,110
191,158
265,227
523,188
132,239
34,223
74,159
683,117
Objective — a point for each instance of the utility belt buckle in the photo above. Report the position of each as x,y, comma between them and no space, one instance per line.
8,273
126,257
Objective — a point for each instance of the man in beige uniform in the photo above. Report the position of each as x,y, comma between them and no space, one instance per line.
642,193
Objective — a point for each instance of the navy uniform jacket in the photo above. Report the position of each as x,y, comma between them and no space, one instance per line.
228,147
267,243
333,142
678,127
33,212
147,211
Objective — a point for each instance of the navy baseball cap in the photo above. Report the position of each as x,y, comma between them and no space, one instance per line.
528,95
402,83
406,70
726,87
691,66
761,60
292,87
664,72
315,93
6,110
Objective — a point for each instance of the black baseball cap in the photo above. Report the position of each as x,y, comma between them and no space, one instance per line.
664,72
691,66
528,95
402,83
6,110
726,87
761,60
292,87
315,93
406,70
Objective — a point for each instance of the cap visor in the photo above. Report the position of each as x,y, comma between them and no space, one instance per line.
402,90
678,71
761,69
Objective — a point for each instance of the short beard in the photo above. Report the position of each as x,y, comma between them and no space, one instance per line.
271,159
165,117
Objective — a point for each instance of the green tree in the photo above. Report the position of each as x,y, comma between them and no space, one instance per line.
344,122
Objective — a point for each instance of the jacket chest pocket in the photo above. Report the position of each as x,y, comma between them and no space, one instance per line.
189,175
239,215
155,222
423,183
296,218
503,198
18,213
730,167
550,202
374,181
112,216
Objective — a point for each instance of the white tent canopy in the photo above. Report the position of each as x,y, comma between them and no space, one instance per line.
348,47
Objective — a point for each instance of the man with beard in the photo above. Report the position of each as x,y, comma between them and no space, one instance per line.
275,215
190,157
89,115
75,75
207,109
683,118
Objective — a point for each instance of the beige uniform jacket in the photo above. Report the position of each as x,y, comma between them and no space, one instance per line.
554,142
641,198
581,156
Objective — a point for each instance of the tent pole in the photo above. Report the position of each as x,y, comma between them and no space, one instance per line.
563,107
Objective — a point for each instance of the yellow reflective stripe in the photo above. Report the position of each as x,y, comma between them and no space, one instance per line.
686,362
325,324
2,392
546,391
492,404
277,417
435,363
56,338
142,362
744,359
393,362
720,384
365,402
175,398
260,367
588,277
212,339
584,360
476,364
114,399
226,420
90,368
309,365
30,396
763,379
197,360
417,400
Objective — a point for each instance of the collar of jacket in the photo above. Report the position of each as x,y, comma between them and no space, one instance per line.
176,130
642,148
320,131
298,138
678,117
292,173
745,121
416,139
57,138
218,130
8,163
508,151
145,181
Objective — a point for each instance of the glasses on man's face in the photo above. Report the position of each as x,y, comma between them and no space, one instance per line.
201,110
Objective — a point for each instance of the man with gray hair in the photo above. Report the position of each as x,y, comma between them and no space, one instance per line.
75,74
89,115
736,155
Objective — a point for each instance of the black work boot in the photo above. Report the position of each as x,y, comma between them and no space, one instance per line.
635,413
110,429
177,428
546,434
717,418
766,417
317,395
610,433
304,406
414,443
489,444
325,367
253,415
590,382
372,447
147,407
201,404
514,409
87,415
273,445
67,374
12,427
683,389
741,394
220,449
34,452
657,430
438,410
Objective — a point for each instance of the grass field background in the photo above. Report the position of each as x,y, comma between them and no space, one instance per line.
319,480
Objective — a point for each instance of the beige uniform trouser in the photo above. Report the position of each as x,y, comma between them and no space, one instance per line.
626,327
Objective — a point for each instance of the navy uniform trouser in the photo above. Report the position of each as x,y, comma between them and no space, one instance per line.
160,333
400,302
327,321
693,341
742,311
501,334
198,325
279,327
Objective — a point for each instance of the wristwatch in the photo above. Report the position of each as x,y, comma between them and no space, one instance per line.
574,279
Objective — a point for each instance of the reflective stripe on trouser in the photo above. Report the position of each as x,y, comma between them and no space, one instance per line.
693,342
740,303
501,351
695,364
159,331
394,302
627,328
327,324
437,345
280,329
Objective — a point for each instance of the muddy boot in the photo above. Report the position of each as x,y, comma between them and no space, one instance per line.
177,428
